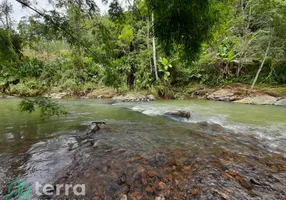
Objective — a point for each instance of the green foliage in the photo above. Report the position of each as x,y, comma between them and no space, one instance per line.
126,36
115,11
7,53
202,42
183,25
47,107
164,67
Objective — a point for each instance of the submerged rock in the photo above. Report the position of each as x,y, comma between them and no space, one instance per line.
259,100
181,114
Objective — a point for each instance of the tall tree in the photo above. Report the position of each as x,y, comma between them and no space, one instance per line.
182,25
6,9
115,10
154,48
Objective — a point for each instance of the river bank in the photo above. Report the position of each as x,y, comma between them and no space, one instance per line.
238,93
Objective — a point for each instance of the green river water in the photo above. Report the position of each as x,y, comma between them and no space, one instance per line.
235,135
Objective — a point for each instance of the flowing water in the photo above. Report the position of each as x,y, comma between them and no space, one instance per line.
224,151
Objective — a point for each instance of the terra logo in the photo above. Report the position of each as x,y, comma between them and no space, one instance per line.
21,190
18,190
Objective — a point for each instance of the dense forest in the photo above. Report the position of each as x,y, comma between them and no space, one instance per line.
155,46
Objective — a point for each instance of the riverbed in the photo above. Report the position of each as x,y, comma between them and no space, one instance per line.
224,151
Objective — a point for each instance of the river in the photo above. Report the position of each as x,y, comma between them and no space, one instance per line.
224,151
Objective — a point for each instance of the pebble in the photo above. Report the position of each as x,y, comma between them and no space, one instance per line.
124,197
149,189
226,176
141,169
194,192
152,174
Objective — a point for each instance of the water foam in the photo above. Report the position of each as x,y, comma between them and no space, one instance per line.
273,134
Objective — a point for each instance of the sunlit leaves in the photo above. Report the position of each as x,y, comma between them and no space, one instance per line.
126,36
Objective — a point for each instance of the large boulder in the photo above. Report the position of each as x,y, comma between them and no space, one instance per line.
130,98
57,95
224,95
180,113
281,102
150,97
259,100
102,93
133,97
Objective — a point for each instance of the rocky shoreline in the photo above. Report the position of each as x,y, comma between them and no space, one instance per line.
257,98
215,171
236,95
228,94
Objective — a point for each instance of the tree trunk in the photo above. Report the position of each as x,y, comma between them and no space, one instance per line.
154,48
7,22
148,43
244,38
260,68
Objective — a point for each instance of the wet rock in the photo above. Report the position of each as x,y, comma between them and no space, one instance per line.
226,176
240,179
136,158
125,188
224,95
152,174
124,197
95,198
194,192
160,185
187,162
176,174
223,195
122,179
187,168
129,98
149,189
165,192
150,98
159,198
102,93
232,172
168,169
144,179
141,169
180,113
259,100
157,161
105,169
281,102
243,182
57,95
136,195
